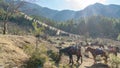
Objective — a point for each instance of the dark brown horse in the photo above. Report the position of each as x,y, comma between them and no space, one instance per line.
70,51
113,49
96,52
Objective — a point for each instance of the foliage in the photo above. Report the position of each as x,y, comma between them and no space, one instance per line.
53,55
18,25
93,26
2,13
28,49
38,58
37,30
115,61
8,9
118,38
45,20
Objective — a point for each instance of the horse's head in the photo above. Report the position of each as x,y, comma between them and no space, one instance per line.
60,50
87,49
60,54
86,52
101,45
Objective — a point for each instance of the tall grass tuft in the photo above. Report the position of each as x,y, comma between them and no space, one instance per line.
115,61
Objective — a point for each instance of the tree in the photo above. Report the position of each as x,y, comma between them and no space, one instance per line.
118,38
37,32
10,7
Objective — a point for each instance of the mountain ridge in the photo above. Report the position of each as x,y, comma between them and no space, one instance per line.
111,10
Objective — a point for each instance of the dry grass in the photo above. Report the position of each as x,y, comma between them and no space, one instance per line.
11,52
15,50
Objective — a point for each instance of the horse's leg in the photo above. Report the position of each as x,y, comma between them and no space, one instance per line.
78,58
94,57
115,53
70,59
106,57
81,59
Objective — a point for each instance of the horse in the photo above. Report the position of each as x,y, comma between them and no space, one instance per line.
113,49
96,52
70,51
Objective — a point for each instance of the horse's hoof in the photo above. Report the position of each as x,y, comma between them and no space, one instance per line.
95,62
78,62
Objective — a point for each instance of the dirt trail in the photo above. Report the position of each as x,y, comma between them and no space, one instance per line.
87,62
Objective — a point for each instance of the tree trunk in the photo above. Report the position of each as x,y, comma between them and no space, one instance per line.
5,28
37,43
5,23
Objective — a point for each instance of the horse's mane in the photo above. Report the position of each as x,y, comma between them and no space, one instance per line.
67,49
64,49
91,49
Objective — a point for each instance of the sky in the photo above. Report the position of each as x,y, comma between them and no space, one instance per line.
73,4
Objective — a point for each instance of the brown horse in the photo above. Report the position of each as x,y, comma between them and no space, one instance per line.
96,52
113,49
70,51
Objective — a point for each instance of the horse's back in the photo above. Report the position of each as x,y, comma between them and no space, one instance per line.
99,51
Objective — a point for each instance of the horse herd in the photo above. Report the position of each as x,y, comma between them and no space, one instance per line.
95,49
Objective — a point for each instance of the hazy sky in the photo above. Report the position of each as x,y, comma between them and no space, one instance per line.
73,4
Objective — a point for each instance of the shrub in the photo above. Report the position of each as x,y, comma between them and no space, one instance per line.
118,38
53,55
39,58
28,49
36,60
115,61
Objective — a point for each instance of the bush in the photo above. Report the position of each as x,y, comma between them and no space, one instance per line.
36,60
39,58
115,61
118,38
28,49
53,55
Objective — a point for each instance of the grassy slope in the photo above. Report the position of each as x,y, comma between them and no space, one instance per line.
11,51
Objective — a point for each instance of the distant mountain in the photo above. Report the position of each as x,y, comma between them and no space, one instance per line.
34,9
99,9
95,9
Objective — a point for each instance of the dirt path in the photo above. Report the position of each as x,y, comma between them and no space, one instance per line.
87,62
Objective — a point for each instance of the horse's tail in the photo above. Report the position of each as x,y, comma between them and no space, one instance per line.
117,49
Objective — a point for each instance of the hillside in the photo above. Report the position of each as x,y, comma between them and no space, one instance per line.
91,21
27,45
11,50
15,52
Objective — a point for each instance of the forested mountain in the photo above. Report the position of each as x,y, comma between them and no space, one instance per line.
95,9
93,26
100,9
87,22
